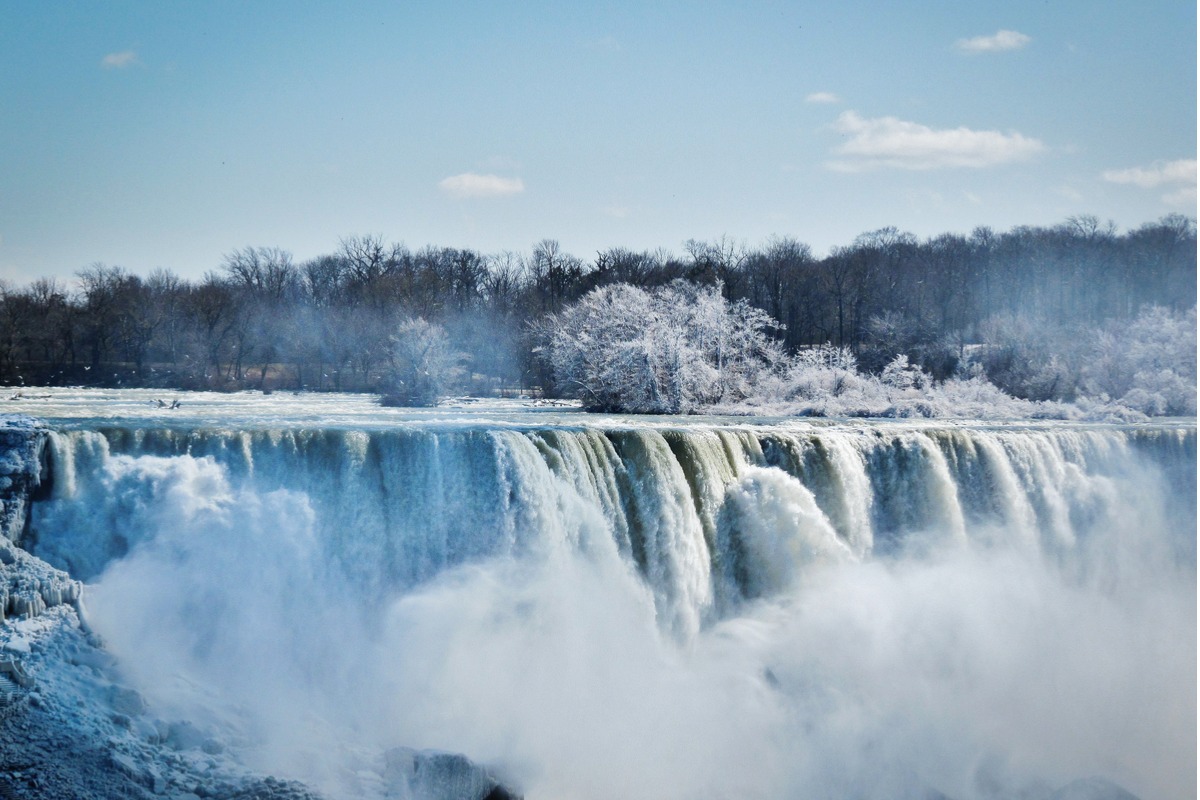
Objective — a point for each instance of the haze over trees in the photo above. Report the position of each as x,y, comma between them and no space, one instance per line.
1047,313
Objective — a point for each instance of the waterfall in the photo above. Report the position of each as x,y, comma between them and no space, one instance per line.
658,608
682,506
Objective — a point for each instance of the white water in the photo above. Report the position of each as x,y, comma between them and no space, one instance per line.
644,608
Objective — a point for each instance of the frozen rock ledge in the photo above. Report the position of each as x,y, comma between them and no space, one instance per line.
23,472
28,585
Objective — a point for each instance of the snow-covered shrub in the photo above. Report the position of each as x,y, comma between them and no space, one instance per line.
825,382
817,373
671,350
826,356
818,381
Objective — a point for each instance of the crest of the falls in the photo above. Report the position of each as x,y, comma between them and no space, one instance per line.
706,516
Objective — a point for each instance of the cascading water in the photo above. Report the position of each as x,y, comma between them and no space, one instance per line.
614,608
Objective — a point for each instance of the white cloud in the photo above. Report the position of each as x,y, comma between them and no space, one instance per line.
891,142
999,42
470,184
1182,171
822,97
1178,176
125,58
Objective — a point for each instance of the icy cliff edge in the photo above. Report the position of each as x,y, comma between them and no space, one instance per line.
28,585
23,471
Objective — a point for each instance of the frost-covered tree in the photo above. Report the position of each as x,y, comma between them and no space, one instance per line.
671,350
1148,364
421,365
899,374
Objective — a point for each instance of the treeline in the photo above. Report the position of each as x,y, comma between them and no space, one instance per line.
262,320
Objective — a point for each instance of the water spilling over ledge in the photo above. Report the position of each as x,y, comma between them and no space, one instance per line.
648,607
691,506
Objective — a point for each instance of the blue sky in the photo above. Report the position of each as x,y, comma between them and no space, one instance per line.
150,134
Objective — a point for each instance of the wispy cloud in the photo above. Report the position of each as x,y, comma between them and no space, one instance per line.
891,142
1157,174
823,97
1179,176
126,58
471,184
999,42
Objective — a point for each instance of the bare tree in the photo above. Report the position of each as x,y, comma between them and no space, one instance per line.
554,274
